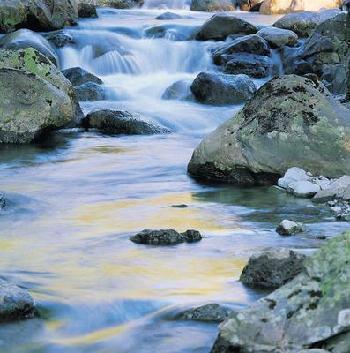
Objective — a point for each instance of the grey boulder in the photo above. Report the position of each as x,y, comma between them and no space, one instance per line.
206,313
288,228
278,37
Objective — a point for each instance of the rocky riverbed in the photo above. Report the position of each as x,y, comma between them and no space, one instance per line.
114,237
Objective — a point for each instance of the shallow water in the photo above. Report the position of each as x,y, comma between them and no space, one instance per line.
74,202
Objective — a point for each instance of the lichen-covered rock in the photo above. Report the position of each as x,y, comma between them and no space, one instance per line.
165,237
13,13
221,25
310,311
206,313
272,269
304,23
213,5
278,37
120,122
15,303
291,121
269,7
218,89
25,38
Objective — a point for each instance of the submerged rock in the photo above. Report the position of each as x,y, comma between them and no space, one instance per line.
278,37
15,303
179,90
290,121
59,38
304,23
78,76
90,91
120,122
310,311
170,16
272,269
25,38
215,88
206,313
221,25
2,201
288,228
165,237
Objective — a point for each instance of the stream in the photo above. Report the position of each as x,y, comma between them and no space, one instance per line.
75,200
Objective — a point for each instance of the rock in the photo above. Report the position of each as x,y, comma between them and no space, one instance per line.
180,90
119,4
120,122
304,23
13,13
170,16
290,121
212,5
248,64
250,44
270,7
272,269
59,39
165,237
249,5
221,25
288,228
337,189
15,303
278,37
306,312
78,76
2,201
206,313
176,32
192,236
90,91
25,38
341,209
304,189
292,176
45,102
87,10
215,88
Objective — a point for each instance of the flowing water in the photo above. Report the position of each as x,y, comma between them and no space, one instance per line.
75,200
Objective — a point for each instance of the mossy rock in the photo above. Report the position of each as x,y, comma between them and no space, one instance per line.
13,13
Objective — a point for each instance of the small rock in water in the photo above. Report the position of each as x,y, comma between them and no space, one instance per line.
170,16
271,269
78,76
15,303
341,210
207,312
165,237
180,206
287,228
90,91
304,188
2,201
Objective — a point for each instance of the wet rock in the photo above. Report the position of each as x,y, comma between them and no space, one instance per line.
90,91
59,39
304,23
249,5
340,209
250,44
255,66
304,189
288,228
78,76
272,269
13,13
120,122
174,32
2,201
170,16
221,25
292,176
336,189
278,37
206,313
164,237
15,303
212,5
35,96
192,236
215,88
25,38
180,90
306,312
270,7
290,121
87,10
119,4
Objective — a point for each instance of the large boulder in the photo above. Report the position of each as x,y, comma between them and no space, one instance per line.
304,23
291,121
218,89
120,122
221,25
272,269
269,7
311,311
25,38
213,5
43,15
278,37
15,303
35,96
